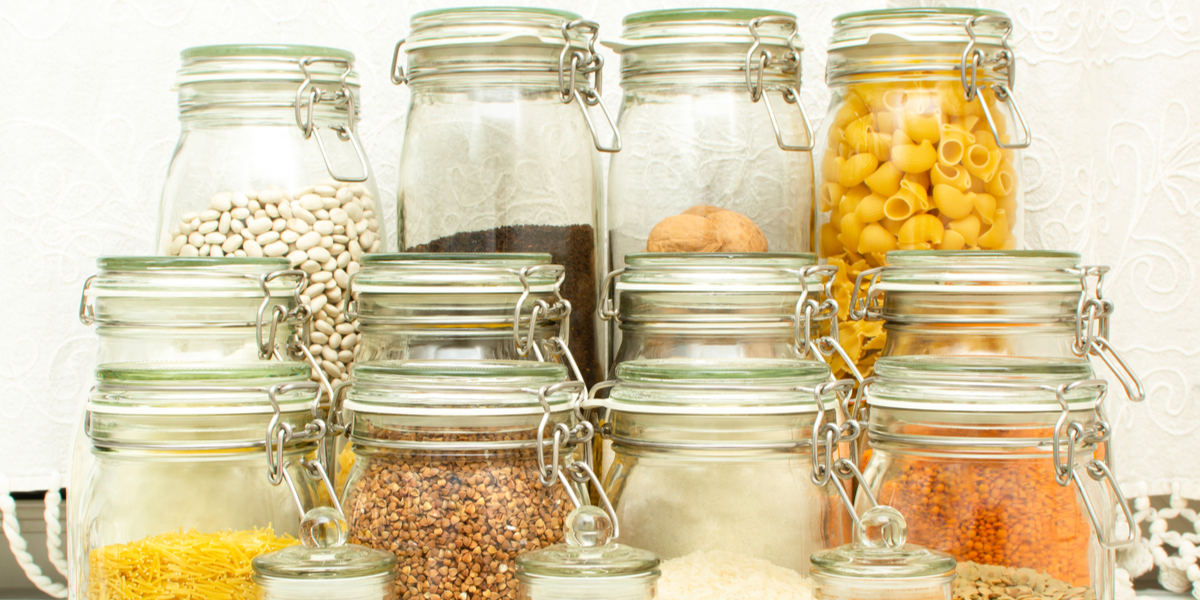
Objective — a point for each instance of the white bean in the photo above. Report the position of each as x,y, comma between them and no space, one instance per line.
324,327
232,243
215,251
221,201
215,237
324,190
344,328
349,341
236,226
303,214
322,277
239,199
339,216
296,257
240,213
196,239
345,356
275,248
366,239
209,215
223,223
188,251
318,303
278,224
324,227
326,241
335,340
289,236
257,226
270,196
208,227
252,248
285,210
272,210
310,266
177,244
314,289
310,240
267,238
318,253
319,338
342,278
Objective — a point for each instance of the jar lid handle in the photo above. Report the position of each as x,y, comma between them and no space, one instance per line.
882,527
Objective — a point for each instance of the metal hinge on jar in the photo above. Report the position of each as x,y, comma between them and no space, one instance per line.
757,61
1092,329
1004,61
809,310
280,434
308,95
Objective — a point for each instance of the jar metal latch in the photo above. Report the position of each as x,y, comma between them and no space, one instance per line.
826,309
1092,329
1005,60
316,95
757,61
830,436
280,434
573,62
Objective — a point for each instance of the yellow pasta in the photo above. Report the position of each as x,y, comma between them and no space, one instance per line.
880,145
921,179
900,206
985,207
870,209
852,171
895,100
981,162
829,195
951,98
851,228
917,193
852,108
875,238
996,236
952,202
968,227
1005,181
829,167
955,177
830,245
952,240
858,132
912,158
920,232
885,181
885,122
921,128
891,225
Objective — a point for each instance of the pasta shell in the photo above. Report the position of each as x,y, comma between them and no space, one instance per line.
921,229
830,246
852,171
829,195
885,122
900,207
996,236
950,151
870,209
885,181
891,225
921,128
981,162
921,179
858,133
1004,183
880,144
952,202
967,227
952,98
852,227
955,177
952,240
913,158
829,167
895,100
985,207
875,238
852,108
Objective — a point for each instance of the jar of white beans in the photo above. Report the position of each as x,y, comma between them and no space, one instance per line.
920,147
269,164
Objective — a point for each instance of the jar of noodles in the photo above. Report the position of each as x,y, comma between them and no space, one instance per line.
718,306
178,498
717,152
715,462
993,460
1030,303
461,466
447,306
919,149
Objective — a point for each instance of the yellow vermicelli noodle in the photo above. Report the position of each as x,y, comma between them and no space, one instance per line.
181,566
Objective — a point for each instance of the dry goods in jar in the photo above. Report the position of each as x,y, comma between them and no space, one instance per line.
455,524
573,247
719,575
323,230
911,166
185,565
705,228
991,582
994,512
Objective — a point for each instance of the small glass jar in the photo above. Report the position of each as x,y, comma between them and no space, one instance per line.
717,456
993,461
189,309
323,566
588,566
445,306
717,151
881,566
1029,303
718,306
451,473
177,498
919,149
269,164
514,86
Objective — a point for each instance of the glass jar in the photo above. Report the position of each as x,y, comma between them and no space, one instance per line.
718,306
177,498
919,147
879,565
451,473
269,164
190,309
512,86
714,464
438,306
717,148
1029,303
588,566
992,459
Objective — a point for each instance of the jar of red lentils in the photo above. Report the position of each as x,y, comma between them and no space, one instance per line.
994,461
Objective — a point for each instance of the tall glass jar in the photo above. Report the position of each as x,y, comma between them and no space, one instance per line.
459,468
269,164
717,148
177,498
919,149
500,151
717,306
718,456
992,459
447,306
1029,303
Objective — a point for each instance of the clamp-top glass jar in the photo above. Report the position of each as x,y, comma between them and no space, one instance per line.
269,164
719,306
446,306
500,150
919,147
1028,303
716,156
992,460
457,468
178,497
719,456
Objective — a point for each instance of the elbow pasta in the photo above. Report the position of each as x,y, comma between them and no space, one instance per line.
910,165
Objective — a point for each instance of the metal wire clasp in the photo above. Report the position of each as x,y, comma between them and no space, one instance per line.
301,313
561,435
757,61
1005,61
572,63
1092,330
308,95
541,309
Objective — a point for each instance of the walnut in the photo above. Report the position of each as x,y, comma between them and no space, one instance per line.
684,233
738,233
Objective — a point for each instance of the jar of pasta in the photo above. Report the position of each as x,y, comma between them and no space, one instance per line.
716,145
919,149
715,464
993,460
461,466
447,306
1030,303
178,497
718,306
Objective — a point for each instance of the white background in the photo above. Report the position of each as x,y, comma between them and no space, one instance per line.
88,124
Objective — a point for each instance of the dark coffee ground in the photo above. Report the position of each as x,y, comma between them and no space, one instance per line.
572,246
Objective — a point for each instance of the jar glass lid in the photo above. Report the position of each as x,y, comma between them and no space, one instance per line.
588,553
490,26
459,388
884,555
180,388
323,556
706,26
982,384
943,270
269,62
162,276
938,25
752,272
724,387
476,273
